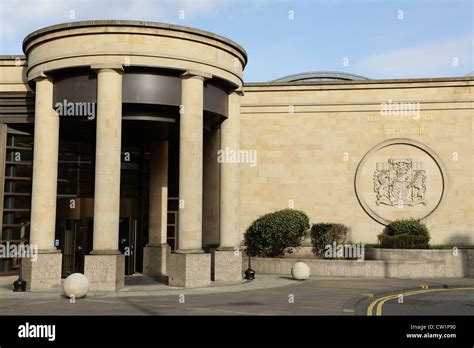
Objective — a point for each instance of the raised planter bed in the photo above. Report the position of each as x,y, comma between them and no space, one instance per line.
379,263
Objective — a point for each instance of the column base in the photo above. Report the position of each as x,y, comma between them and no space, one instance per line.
155,260
227,266
105,272
189,270
44,272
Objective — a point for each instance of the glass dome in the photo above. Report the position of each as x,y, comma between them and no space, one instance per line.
320,76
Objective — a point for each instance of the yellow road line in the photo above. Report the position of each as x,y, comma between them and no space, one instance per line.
389,297
381,301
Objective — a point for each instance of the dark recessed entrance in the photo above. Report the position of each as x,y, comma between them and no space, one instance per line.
75,209
74,231
75,190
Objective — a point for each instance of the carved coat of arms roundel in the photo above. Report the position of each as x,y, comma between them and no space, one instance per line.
400,178
400,181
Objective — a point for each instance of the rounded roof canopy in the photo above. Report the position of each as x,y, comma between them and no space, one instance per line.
131,23
134,44
320,76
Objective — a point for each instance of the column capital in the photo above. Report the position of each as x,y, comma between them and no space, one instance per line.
107,66
39,76
190,73
238,91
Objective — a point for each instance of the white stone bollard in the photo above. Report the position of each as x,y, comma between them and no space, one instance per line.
77,285
300,271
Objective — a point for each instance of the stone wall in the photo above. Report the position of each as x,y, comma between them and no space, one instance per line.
380,263
13,74
310,139
470,263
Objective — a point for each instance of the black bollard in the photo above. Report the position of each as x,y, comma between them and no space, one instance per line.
19,285
250,273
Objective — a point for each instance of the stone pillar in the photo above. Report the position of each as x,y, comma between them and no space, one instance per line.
105,267
45,272
156,253
227,259
190,266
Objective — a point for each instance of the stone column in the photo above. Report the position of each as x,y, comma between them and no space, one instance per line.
45,272
227,259
189,266
105,267
156,253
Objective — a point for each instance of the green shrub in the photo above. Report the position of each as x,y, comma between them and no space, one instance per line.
441,247
272,233
403,241
407,226
405,234
324,234
371,246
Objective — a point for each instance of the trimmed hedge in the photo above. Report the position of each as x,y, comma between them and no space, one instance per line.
407,226
324,234
403,241
405,234
272,233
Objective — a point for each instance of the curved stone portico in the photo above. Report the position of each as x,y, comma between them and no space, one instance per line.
210,70
133,43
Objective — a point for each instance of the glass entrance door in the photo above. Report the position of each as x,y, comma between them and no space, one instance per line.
68,238
127,243
75,242
74,233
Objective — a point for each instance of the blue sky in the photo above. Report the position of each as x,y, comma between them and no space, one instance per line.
378,39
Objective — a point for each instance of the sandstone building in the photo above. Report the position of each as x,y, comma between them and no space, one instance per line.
112,136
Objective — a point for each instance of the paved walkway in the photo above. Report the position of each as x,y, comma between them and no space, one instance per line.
140,285
267,295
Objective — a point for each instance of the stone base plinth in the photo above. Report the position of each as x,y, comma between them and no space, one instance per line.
43,272
189,270
227,266
105,272
155,259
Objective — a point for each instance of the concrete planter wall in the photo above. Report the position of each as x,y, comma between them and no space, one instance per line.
390,263
409,254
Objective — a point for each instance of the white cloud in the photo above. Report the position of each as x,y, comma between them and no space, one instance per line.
434,59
